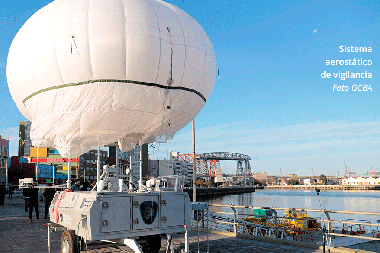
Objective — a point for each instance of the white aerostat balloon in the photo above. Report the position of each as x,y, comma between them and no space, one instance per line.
88,73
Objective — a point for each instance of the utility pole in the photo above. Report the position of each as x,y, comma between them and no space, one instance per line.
77,170
117,161
141,175
37,167
69,173
130,171
98,170
6,167
194,168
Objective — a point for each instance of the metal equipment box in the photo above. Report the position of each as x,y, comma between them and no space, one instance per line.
113,215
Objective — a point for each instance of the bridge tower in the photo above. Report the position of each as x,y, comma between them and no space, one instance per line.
243,168
203,169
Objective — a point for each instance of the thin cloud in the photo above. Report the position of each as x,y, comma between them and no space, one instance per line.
301,132
321,144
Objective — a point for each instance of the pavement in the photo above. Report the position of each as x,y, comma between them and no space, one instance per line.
18,235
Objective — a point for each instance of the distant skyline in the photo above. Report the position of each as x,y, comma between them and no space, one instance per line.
269,100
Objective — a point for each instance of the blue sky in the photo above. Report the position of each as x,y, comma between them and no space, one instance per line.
269,101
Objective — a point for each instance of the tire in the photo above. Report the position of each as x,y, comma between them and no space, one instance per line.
152,244
69,242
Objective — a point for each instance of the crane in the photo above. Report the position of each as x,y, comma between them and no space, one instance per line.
347,172
372,172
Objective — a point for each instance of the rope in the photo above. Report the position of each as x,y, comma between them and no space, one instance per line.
116,81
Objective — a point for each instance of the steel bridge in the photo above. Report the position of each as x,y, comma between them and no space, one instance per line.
208,163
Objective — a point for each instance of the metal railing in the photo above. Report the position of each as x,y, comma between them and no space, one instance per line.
351,231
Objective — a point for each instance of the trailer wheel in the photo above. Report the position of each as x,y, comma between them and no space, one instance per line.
69,242
152,244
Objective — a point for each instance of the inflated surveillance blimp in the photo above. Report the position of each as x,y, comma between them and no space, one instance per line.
88,73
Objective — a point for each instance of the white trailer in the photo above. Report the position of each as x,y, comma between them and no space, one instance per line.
136,219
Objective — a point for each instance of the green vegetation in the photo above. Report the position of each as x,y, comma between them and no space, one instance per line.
323,179
293,182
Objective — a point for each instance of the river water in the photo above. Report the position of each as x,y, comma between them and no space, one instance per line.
367,201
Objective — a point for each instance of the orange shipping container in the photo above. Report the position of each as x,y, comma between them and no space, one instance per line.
42,152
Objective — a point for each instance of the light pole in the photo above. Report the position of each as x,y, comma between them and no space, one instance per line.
6,166
69,173
98,170
37,167
194,168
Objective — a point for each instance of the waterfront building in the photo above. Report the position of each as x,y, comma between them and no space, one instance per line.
153,169
20,167
88,164
165,167
218,177
112,152
185,168
4,154
173,166
135,155
309,181
272,180
51,156
124,166
261,177
361,181
25,144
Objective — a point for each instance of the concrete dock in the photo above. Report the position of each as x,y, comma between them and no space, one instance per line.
18,235
212,192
